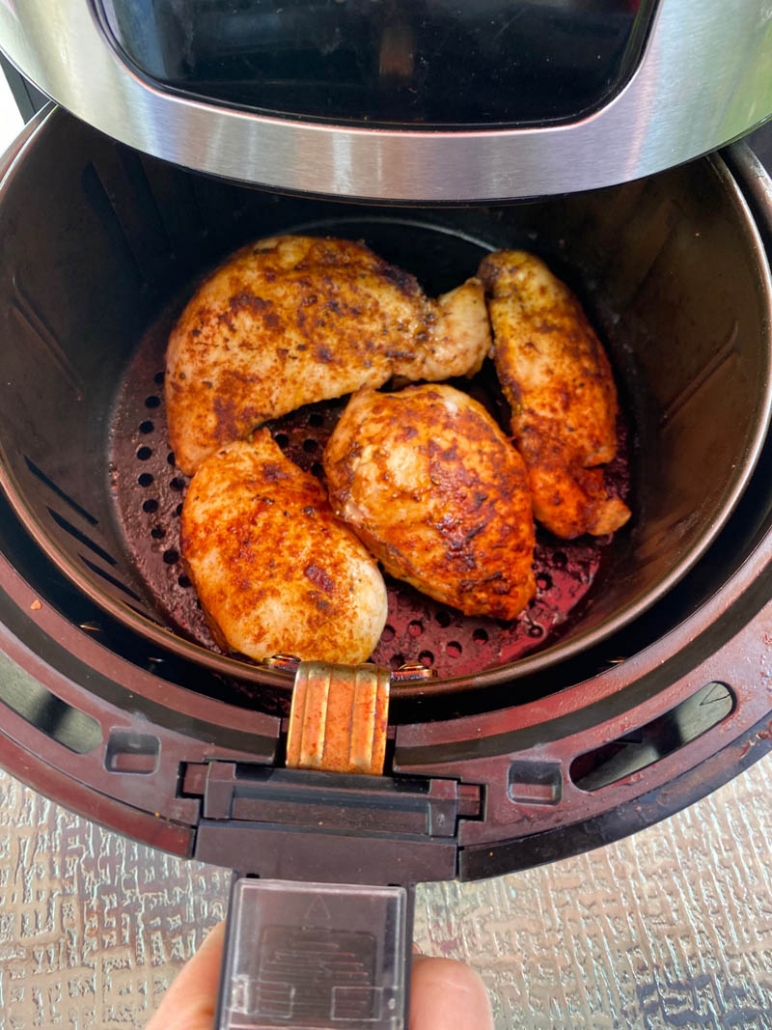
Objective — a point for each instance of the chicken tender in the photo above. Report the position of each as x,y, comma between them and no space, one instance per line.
556,376
436,491
295,319
275,571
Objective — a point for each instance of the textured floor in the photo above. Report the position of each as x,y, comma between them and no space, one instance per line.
671,928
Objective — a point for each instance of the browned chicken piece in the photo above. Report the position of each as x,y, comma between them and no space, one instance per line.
275,571
558,381
296,319
436,491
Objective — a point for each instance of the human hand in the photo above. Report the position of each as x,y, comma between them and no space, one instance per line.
444,995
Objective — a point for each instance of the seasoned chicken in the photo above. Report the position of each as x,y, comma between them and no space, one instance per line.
558,381
296,319
275,571
438,494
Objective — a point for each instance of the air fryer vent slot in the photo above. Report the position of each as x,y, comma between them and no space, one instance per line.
39,474
118,578
656,740
81,537
45,711
110,579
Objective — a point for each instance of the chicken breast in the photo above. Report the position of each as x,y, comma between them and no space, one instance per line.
275,571
436,491
556,376
296,319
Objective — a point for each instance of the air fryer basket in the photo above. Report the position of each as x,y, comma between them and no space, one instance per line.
95,259
132,727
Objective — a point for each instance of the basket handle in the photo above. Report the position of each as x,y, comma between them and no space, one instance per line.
315,955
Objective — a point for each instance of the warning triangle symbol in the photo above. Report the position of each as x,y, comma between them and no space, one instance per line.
318,911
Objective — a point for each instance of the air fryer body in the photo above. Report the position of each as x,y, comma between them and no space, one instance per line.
112,714
428,102
106,702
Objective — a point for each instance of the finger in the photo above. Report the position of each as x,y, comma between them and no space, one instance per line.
190,1002
447,995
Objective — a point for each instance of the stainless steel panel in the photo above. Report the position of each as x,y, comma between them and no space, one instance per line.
703,80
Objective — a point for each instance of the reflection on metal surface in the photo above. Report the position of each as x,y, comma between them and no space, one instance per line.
413,671
702,81
283,663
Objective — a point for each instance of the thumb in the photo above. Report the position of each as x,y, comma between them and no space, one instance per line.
448,995
190,1002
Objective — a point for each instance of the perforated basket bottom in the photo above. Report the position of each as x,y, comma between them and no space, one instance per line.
148,491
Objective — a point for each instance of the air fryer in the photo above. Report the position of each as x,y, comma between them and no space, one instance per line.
636,683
